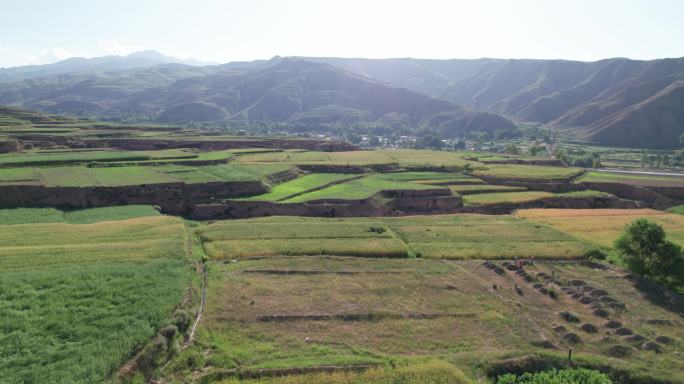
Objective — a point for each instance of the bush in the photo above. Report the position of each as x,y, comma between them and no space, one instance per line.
595,254
553,294
563,376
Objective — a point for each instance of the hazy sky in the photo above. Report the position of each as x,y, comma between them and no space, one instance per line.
43,31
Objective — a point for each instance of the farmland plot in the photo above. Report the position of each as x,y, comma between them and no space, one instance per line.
76,300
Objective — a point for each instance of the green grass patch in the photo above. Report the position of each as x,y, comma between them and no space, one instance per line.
299,185
362,188
80,216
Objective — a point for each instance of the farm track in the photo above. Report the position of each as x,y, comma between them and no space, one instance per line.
203,301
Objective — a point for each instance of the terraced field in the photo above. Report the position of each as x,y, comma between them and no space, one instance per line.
76,300
535,172
603,226
274,314
356,189
443,237
525,196
634,179
301,185
83,176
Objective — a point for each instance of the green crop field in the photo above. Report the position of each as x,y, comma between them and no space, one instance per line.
76,300
300,185
362,188
82,176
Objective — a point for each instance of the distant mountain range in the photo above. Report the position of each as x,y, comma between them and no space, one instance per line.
616,102
140,59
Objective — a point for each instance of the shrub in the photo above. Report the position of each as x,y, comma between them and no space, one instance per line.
553,293
595,254
563,376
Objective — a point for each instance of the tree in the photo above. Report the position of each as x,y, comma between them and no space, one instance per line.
534,150
429,140
460,145
643,247
512,149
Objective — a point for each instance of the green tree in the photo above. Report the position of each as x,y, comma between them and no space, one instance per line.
534,150
512,149
643,247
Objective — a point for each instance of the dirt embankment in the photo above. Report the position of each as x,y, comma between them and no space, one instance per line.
548,162
8,146
553,202
173,198
653,197
397,203
649,195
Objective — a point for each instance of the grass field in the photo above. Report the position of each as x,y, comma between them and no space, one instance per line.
82,176
634,179
535,172
362,188
76,300
447,237
299,312
603,226
300,185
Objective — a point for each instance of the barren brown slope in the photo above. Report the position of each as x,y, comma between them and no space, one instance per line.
657,121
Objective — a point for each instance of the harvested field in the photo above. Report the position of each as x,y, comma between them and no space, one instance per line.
603,226
460,312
